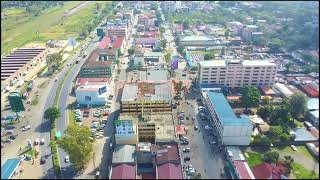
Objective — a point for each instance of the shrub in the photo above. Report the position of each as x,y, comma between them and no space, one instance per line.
271,157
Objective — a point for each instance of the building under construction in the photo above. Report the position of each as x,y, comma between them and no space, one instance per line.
142,97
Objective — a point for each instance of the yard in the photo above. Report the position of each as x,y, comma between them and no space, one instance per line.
302,173
253,158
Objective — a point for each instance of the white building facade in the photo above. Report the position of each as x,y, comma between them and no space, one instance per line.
92,95
237,73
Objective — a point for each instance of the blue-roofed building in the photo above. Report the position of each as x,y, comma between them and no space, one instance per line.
231,129
9,167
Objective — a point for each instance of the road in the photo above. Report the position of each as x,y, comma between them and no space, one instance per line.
67,171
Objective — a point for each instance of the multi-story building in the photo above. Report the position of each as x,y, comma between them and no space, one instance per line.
126,129
99,64
118,32
237,73
169,6
230,129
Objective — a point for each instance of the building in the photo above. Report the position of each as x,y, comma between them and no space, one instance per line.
235,27
91,95
9,168
169,6
146,97
126,129
99,64
283,90
249,33
153,58
197,41
141,28
314,117
118,32
119,44
146,42
147,34
237,73
104,43
169,171
231,129
168,153
124,154
269,171
123,171
146,158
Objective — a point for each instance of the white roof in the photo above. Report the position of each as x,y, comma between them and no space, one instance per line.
217,63
197,38
283,89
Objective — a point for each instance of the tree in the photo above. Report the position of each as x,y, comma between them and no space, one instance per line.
265,112
261,140
178,86
196,176
275,132
186,24
167,57
117,63
131,51
52,114
288,160
76,143
223,50
208,56
180,49
297,104
275,44
53,61
162,30
271,157
163,43
250,96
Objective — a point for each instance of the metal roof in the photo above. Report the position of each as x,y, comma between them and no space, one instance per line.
124,154
224,110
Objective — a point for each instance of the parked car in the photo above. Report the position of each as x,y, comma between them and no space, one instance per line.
196,128
42,141
42,160
25,128
293,147
183,138
36,141
186,149
212,142
184,142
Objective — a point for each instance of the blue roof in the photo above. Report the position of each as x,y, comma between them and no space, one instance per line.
9,167
224,110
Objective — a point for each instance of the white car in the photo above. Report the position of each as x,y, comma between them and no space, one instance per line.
42,141
293,147
36,141
66,159
25,128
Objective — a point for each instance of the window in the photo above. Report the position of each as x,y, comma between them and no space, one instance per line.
205,68
256,68
248,67
222,71
204,81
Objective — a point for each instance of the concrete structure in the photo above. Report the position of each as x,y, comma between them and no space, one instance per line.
99,64
92,94
197,41
237,73
231,130
126,129
146,97
284,91
124,154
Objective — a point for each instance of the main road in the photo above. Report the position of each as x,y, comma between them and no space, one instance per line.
47,168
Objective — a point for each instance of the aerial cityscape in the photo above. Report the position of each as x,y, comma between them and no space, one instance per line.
159,89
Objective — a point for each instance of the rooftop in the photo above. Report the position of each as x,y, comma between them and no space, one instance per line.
170,171
313,104
235,153
125,127
167,153
124,154
224,110
123,171
197,38
92,88
93,59
104,43
117,44
152,91
302,134
223,63
243,170
152,54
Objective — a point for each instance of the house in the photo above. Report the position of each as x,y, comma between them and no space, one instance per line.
169,171
168,153
123,171
269,171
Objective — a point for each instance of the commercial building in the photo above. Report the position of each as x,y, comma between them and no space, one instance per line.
237,73
91,94
198,41
146,97
124,154
126,129
99,64
231,129
249,33
118,32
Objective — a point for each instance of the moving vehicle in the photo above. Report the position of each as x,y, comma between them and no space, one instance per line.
66,159
196,128
25,128
186,158
183,138
293,147
186,149
184,142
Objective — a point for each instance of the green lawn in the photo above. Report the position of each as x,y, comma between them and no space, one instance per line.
19,28
302,150
253,158
302,173
35,101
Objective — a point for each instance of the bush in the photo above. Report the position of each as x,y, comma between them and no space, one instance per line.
261,140
271,157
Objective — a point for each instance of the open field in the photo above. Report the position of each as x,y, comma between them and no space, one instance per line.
19,28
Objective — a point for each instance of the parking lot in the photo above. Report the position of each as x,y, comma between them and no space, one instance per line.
205,156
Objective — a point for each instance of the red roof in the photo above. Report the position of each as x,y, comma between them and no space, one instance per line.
83,81
123,171
314,132
104,43
310,91
168,153
170,171
118,42
180,130
148,176
267,171
242,170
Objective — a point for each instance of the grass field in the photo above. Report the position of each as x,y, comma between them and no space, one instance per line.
253,158
19,28
302,173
